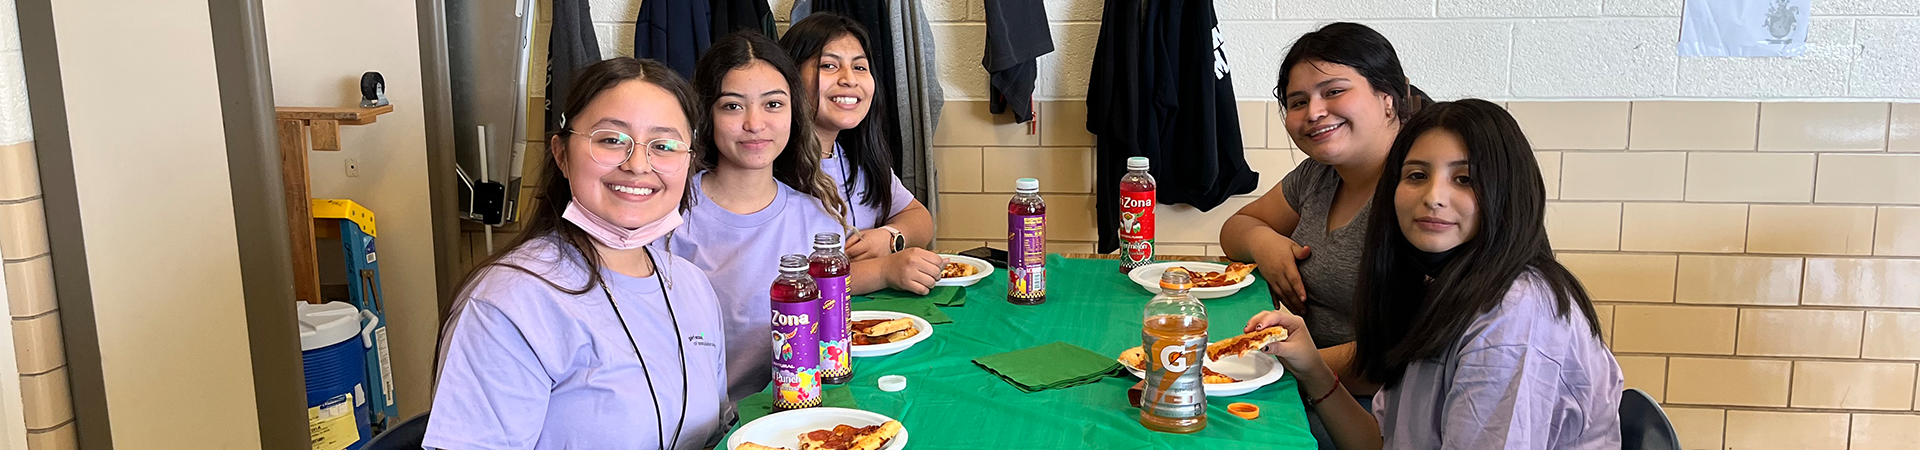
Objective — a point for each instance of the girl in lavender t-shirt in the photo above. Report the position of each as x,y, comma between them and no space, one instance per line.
580,335
831,50
1480,339
763,197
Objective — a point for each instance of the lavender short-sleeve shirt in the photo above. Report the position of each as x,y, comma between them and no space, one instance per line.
1521,378
526,366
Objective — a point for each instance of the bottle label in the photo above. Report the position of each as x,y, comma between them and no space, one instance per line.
1136,228
1174,389
1027,256
835,327
796,354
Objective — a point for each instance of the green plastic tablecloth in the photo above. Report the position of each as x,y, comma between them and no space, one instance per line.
950,403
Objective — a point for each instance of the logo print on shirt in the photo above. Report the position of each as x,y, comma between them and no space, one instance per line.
700,340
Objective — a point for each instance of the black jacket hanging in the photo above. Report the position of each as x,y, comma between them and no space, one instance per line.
571,46
1161,88
734,15
1017,35
674,33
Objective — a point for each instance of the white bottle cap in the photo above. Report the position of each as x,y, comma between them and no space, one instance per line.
1026,185
893,383
1137,163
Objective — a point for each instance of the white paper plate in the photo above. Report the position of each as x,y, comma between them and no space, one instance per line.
863,351
1148,277
783,429
984,270
1257,370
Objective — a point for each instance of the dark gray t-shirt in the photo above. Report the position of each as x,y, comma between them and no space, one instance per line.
1331,271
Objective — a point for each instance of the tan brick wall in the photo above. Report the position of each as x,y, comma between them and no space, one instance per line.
35,319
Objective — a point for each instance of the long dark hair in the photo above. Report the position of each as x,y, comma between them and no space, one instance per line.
867,151
555,192
1367,52
798,165
1400,317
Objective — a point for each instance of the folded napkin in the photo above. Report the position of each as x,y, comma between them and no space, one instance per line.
915,306
1051,366
940,295
759,405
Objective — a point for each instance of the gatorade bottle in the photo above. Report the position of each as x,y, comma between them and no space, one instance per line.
1137,192
829,268
1175,337
1026,244
796,336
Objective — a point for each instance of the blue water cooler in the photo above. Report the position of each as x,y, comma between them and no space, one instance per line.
333,355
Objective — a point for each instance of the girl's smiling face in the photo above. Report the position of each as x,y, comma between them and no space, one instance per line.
1435,202
753,116
633,193
843,83
1334,115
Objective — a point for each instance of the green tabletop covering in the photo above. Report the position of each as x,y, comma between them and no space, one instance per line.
950,403
1051,366
759,405
940,295
915,306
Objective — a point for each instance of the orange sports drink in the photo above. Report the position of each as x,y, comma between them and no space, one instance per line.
1175,338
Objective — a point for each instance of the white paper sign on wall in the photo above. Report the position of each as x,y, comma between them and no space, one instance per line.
1744,28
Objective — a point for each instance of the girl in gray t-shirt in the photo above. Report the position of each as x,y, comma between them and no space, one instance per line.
1478,337
1344,96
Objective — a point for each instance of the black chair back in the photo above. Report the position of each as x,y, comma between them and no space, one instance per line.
1643,425
405,436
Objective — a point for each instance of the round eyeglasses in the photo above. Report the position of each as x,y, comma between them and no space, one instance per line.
613,148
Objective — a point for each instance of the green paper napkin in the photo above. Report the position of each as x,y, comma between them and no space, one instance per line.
759,405
1051,366
940,295
915,306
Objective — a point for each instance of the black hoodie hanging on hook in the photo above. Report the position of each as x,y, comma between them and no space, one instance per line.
1161,87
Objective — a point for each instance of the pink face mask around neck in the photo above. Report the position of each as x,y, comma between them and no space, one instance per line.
618,237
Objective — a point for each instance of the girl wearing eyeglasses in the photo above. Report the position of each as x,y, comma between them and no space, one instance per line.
580,334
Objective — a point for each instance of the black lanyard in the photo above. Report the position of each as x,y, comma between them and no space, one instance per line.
846,174
659,423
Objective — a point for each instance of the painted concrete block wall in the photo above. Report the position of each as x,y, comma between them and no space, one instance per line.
1494,49
15,126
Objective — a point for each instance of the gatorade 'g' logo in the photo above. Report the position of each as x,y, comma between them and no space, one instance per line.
1174,357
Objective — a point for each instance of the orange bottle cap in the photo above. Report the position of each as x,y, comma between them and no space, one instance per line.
1245,410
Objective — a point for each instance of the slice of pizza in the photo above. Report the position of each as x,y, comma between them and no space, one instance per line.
897,336
881,327
875,439
753,446
957,270
1246,343
1208,376
1135,358
1239,271
848,437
